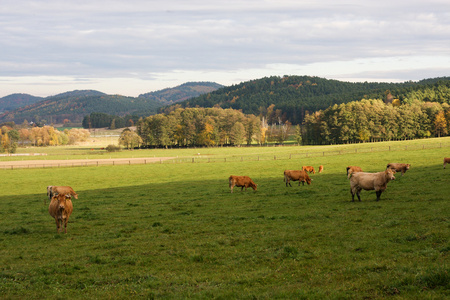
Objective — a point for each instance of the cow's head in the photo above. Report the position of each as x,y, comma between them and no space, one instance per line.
61,198
254,186
407,166
389,174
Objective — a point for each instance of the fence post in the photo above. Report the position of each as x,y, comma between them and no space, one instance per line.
193,159
274,158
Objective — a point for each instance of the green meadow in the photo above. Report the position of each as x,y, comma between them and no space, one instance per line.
173,230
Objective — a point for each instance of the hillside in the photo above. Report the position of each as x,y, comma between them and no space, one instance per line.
293,96
75,105
15,101
182,92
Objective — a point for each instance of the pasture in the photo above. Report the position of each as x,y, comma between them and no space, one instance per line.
175,231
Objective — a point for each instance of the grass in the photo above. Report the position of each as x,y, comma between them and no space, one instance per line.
175,230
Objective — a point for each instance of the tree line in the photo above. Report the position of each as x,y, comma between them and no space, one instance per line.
103,120
294,96
11,138
188,127
374,120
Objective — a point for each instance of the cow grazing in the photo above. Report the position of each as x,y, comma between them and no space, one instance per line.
296,175
370,181
241,181
320,169
446,161
398,167
309,169
352,169
60,208
53,190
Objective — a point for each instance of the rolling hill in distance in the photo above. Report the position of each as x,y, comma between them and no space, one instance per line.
293,96
75,105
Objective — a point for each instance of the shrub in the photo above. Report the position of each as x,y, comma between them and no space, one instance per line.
112,148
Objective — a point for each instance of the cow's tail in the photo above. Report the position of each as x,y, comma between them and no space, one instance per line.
348,168
229,181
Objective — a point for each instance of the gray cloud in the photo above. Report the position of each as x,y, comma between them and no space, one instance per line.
111,39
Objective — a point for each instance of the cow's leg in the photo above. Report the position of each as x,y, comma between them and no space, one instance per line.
57,225
65,225
445,164
378,195
358,191
353,194
232,186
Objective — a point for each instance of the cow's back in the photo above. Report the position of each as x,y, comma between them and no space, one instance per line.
364,180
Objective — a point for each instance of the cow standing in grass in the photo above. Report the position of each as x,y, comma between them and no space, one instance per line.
241,181
296,175
370,181
352,169
309,169
60,209
320,169
398,167
53,190
446,161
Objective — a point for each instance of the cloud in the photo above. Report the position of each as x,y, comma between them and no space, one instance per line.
144,40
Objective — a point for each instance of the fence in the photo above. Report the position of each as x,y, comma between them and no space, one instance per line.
204,159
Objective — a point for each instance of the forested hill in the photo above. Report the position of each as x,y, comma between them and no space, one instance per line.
293,96
75,105
182,92
15,101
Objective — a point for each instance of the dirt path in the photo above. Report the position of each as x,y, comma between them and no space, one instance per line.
79,162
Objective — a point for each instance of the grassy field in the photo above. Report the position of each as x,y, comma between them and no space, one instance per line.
175,231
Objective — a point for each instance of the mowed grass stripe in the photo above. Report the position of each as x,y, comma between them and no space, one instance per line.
176,231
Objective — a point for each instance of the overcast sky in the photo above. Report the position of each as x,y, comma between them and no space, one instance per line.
130,47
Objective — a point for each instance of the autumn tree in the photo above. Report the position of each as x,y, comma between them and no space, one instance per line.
237,134
440,124
129,139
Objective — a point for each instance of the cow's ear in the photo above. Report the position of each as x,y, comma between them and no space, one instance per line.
68,196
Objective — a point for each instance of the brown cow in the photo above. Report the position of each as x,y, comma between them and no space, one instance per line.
241,181
370,181
60,208
53,190
320,169
352,169
446,161
398,167
309,169
296,175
